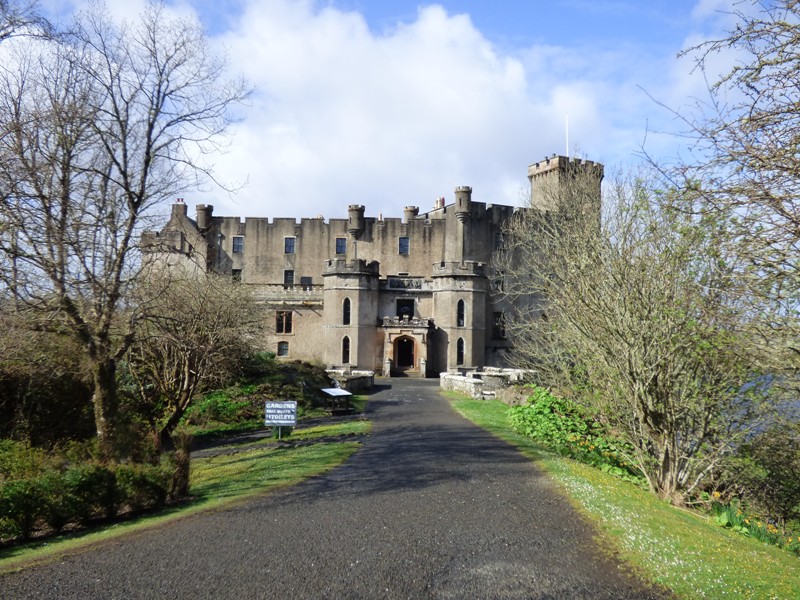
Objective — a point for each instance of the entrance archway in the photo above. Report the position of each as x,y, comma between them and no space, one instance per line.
404,353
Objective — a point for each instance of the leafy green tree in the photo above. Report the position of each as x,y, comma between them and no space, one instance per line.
639,317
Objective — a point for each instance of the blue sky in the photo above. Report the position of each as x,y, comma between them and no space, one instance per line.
396,103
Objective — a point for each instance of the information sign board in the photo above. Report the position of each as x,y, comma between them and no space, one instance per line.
280,414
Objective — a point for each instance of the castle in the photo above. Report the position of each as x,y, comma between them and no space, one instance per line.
414,296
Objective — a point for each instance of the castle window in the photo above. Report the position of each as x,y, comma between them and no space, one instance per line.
460,314
345,350
405,308
288,278
283,321
283,348
236,275
460,351
288,245
341,245
403,246
238,244
307,283
499,327
346,312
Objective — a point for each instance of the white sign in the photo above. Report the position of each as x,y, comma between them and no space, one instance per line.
280,414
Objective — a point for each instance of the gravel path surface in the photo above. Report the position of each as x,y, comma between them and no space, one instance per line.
431,507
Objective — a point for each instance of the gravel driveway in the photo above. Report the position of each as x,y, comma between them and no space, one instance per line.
430,507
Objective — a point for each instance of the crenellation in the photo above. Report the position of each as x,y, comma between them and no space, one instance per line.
406,294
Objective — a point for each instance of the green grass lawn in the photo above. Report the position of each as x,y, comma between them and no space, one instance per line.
216,482
678,549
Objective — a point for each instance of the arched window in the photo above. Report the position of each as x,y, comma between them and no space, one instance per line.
460,314
460,351
345,350
346,312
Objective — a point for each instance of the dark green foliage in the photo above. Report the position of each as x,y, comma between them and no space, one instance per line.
59,505
264,379
76,494
258,365
143,486
20,502
568,429
45,393
18,460
221,406
765,474
776,453
96,486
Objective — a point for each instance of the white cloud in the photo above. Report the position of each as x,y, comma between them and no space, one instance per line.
346,114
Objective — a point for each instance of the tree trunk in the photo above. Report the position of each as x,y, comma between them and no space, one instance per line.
165,435
105,404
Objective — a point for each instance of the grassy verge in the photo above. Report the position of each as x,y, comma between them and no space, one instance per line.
216,482
677,549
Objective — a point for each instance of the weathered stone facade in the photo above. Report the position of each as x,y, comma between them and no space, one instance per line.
399,296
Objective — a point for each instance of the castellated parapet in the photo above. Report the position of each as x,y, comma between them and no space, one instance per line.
457,269
406,294
552,177
358,266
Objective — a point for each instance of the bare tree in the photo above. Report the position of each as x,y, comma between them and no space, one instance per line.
21,18
97,128
640,318
195,336
744,166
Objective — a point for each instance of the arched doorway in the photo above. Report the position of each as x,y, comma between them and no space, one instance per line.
404,353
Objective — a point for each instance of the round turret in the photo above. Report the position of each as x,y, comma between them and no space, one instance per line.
355,222
204,213
463,202
410,212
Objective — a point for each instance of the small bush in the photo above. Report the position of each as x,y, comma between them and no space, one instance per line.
734,516
258,365
19,461
220,406
20,505
96,486
59,505
568,429
143,487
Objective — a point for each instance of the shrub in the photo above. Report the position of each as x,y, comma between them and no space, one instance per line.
734,516
19,461
20,504
775,482
568,429
221,406
59,505
96,486
142,486
258,365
